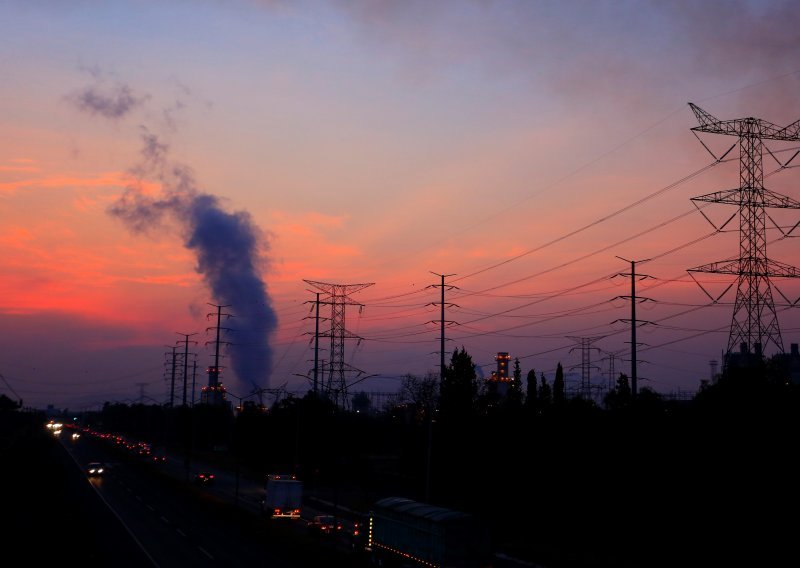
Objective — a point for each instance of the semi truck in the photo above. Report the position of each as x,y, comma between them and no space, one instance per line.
283,496
401,532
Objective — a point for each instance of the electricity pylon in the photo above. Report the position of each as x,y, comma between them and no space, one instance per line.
754,324
338,297
586,363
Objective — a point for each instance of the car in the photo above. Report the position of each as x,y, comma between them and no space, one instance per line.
95,469
357,535
204,478
324,525
158,458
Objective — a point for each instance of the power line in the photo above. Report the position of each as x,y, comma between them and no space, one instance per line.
593,223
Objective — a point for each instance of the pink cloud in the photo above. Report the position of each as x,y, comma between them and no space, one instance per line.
110,179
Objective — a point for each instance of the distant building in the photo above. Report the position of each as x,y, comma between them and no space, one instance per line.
499,381
214,393
744,357
790,361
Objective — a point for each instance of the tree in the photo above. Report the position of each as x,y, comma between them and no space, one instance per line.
421,393
545,393
514,396
559,389
621,396
459,387
489,397
361,402
7,404
530,395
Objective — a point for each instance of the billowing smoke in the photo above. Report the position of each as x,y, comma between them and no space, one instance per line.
114,102
229,247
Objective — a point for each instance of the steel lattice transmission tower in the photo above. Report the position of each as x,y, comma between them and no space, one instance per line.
586,363
338,297
755,323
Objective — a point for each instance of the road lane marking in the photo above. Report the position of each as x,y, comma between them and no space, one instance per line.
204,551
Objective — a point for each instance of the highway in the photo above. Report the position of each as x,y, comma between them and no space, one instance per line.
144,513
174,522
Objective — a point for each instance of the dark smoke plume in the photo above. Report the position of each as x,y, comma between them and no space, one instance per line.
113,103
229,249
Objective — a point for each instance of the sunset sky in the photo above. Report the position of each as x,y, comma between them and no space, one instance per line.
519,147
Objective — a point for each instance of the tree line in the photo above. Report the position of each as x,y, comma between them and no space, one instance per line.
563,479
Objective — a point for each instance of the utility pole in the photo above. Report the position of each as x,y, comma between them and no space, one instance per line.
442,322
172,379
194,377
754,324
633,321
168,415
316,346
185,411
315,379
215,392
186,337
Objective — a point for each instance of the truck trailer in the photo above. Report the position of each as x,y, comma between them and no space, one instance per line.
403,532
283,496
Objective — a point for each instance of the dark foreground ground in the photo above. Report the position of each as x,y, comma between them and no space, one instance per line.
715,496
50,518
